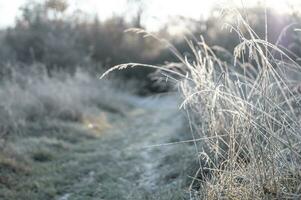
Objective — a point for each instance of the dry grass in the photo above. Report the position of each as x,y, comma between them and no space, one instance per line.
249,118
245,118
30,96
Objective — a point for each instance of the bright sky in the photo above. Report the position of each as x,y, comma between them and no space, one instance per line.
157,11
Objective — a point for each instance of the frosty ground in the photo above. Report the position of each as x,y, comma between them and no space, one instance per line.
123,160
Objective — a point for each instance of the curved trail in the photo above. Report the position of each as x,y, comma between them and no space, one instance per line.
122,165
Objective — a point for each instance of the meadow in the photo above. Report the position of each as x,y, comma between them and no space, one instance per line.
94,109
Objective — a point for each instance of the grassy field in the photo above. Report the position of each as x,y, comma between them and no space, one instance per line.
67,160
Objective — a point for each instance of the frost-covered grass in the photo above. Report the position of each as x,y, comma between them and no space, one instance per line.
42,119
77,137
248,119
30,96
244,116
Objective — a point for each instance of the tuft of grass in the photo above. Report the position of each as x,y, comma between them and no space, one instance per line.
42,156
10,168
249,123
10,165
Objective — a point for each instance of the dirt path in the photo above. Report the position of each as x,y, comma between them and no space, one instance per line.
121,165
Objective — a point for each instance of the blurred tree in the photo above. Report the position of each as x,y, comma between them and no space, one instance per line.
57,5
140,5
